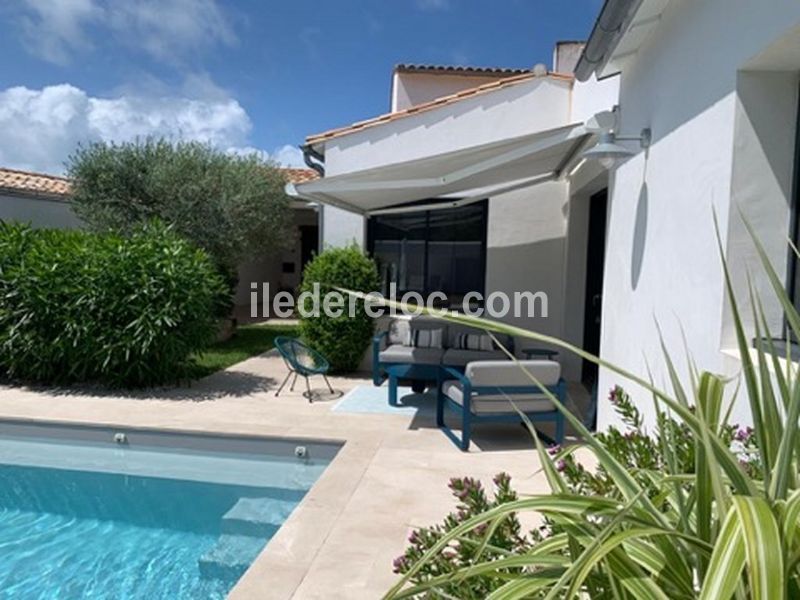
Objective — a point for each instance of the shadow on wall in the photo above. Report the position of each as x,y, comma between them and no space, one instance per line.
534,267
639,236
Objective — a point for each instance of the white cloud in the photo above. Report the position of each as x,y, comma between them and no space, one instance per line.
285,156
288,156
169,30
42,127
53,29
217,122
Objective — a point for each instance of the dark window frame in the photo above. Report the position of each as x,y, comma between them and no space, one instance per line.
483,204
794,220
785,344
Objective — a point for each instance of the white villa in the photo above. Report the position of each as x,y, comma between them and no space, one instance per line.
477,178
483,188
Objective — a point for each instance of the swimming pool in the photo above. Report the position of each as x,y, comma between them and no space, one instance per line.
97,512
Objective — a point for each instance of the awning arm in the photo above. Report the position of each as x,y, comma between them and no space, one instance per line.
573,159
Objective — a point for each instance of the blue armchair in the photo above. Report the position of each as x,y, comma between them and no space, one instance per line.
486,389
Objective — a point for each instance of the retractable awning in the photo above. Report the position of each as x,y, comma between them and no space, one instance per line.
478,171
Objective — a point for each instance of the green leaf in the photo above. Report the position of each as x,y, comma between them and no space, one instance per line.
763,548
727,562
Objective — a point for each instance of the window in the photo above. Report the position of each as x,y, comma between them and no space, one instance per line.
432,250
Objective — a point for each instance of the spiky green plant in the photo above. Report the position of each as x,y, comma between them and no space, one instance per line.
715,531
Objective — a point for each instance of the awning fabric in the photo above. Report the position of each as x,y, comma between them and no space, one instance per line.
467,172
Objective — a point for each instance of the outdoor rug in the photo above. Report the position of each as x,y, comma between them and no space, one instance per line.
368,399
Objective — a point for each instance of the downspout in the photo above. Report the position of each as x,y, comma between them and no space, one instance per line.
609,27
315,160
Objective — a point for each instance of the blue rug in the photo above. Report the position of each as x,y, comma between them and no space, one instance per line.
368,399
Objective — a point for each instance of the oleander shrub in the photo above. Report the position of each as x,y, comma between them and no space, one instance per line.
119,310
472,499
341,339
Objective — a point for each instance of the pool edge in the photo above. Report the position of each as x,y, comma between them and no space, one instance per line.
288,556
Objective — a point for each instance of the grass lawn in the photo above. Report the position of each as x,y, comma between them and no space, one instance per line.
249,340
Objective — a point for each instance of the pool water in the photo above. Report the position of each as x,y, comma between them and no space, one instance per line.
162,532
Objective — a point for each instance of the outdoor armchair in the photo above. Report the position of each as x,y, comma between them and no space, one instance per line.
500,391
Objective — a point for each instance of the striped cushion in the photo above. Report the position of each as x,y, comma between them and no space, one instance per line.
474,341
424,338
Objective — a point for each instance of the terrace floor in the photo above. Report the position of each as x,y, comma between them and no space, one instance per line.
390,476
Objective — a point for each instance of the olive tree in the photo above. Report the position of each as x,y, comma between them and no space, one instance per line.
233,207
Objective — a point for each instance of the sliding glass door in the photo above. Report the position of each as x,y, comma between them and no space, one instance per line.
432,250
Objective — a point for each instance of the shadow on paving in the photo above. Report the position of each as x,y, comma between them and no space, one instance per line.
219,385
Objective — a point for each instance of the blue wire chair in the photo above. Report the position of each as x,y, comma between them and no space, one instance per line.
301,360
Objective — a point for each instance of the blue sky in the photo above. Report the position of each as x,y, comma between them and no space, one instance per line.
245,74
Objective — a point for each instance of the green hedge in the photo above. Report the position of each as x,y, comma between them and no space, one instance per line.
103,308
342,340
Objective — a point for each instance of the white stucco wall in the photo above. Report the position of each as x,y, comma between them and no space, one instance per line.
593,96
411,89
524,108
662,260
526,249
342,228
39,211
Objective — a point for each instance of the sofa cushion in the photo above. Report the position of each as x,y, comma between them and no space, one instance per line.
513,374
454,332
459,358
474,341
426,338
398,331
499,404
426,323
402,354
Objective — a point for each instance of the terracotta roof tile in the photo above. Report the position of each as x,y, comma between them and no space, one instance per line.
432,104
34,183
458,70
26,182
295,175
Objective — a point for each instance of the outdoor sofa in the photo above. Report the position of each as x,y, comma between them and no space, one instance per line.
421,345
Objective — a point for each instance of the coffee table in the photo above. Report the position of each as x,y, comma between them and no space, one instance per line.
414,372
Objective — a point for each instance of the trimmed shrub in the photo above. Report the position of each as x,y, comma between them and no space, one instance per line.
103,308
343,339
